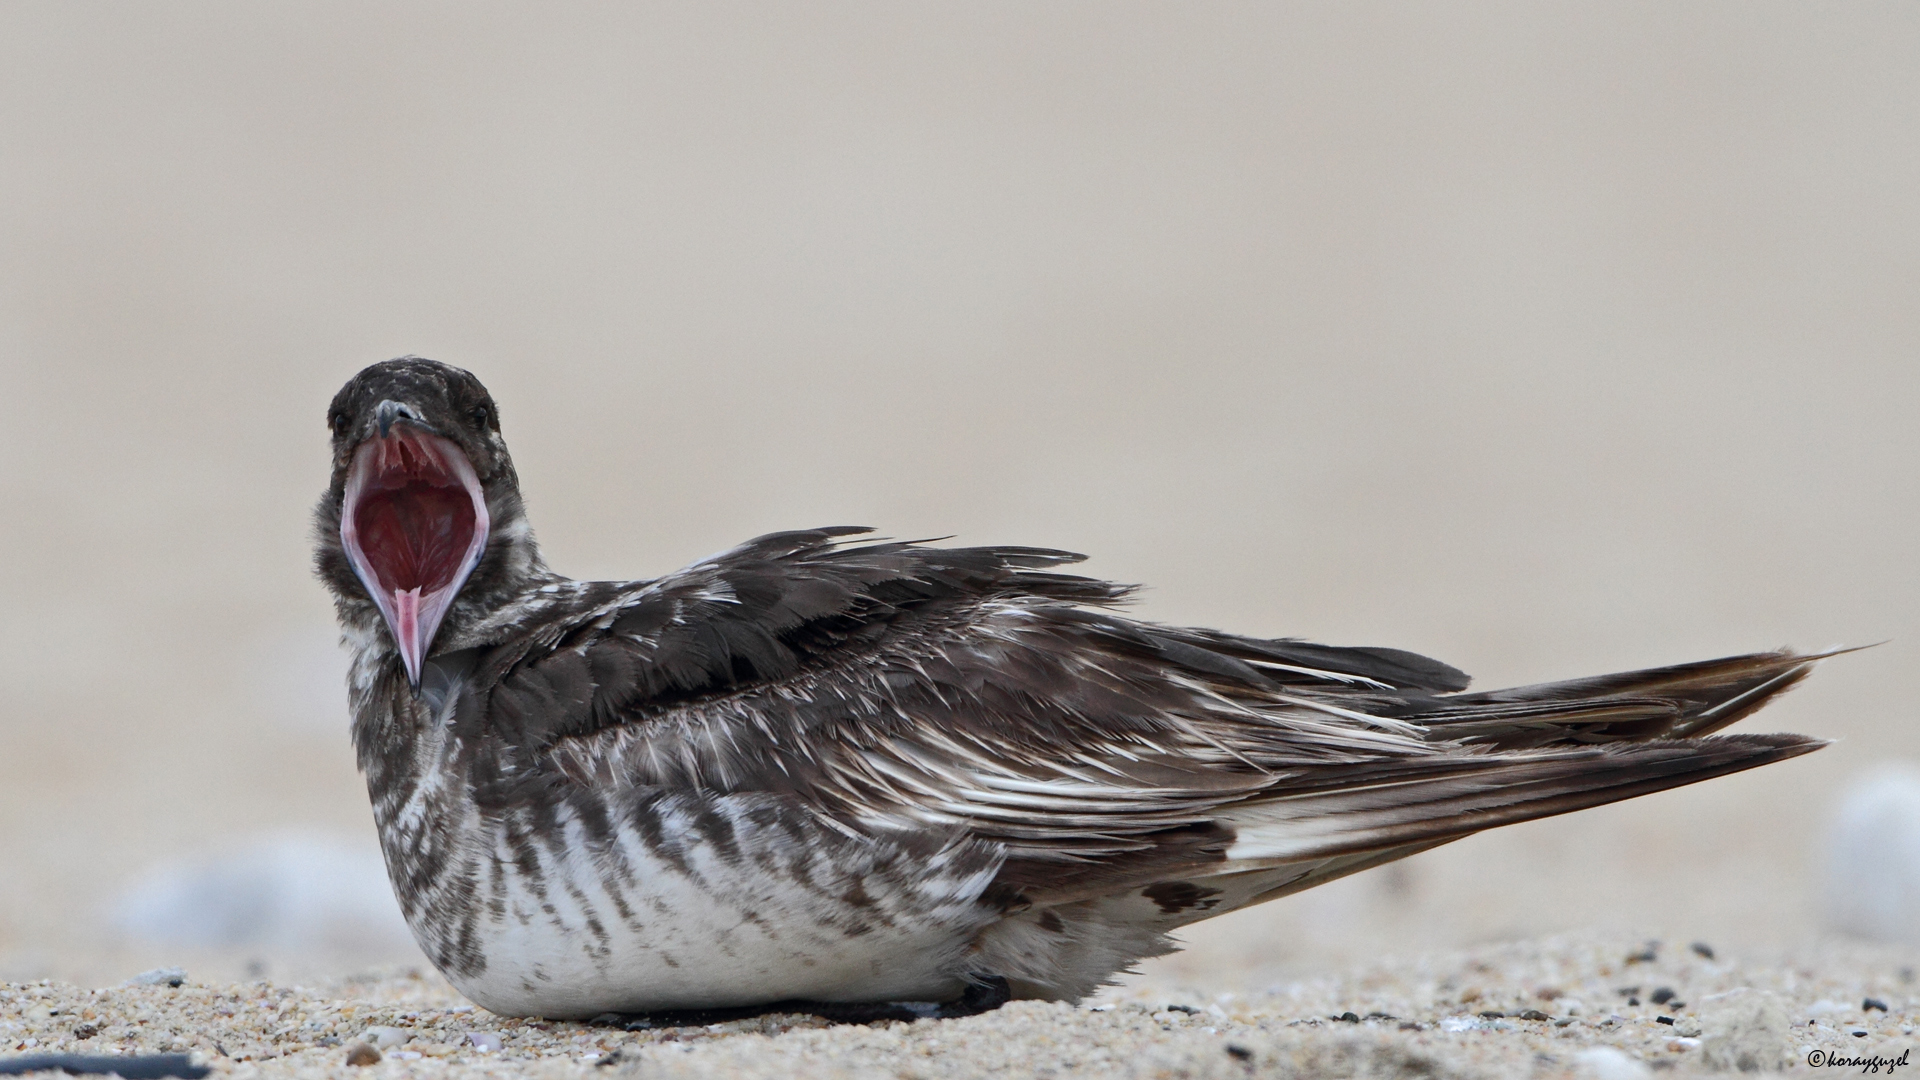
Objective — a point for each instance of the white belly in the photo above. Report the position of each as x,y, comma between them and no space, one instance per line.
691,919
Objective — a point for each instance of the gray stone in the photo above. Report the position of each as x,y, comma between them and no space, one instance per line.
1743,1030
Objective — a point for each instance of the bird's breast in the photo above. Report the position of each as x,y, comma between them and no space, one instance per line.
577,900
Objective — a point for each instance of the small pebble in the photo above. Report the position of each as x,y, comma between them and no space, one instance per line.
386,1037
1873,1003
487,1042
1607,1063
1239,1053
1702,949
1667,1020
1663,995
1534,1014
362,1054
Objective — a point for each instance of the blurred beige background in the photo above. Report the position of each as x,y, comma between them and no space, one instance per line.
1546,339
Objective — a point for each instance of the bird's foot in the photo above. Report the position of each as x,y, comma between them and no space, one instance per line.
984,993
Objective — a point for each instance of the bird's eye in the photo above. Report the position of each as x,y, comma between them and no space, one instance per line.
338,422
482,415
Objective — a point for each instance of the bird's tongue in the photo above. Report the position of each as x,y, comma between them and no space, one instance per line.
406,624
414,525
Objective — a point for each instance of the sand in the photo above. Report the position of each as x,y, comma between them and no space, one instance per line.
1560,1006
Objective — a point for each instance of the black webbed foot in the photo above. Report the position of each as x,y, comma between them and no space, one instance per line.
984,993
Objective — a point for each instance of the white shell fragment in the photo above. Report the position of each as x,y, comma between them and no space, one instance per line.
1870,885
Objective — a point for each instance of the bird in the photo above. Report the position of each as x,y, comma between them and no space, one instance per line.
832,773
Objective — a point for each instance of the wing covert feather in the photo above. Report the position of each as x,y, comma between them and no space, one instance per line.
904,686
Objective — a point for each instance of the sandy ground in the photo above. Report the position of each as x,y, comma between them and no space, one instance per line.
1588,1006
1545,340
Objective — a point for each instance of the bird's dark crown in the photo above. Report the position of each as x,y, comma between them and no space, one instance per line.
445,400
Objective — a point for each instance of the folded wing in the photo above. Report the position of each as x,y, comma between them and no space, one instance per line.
895,687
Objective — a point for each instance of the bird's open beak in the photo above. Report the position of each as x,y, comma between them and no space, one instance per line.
414,525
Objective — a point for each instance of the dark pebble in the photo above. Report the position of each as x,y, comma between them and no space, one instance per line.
1645,956
1704,950
1493,1014
1633,1001
1534,1014
1188,1009
1381,1016
127,1066
1859,1034
1667,1020
88,1031
1348,1018
1239,1053
1663,995
1626,991
1873,1003
1676,1005
609,1060
362,1054
1412,1025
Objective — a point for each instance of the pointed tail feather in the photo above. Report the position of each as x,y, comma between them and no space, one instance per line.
1451,797
1682,701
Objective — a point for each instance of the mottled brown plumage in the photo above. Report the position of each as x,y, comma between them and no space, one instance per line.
818,768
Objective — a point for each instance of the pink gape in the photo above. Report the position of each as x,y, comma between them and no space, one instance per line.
414,525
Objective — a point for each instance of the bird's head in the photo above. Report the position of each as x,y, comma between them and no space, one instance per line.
424,506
